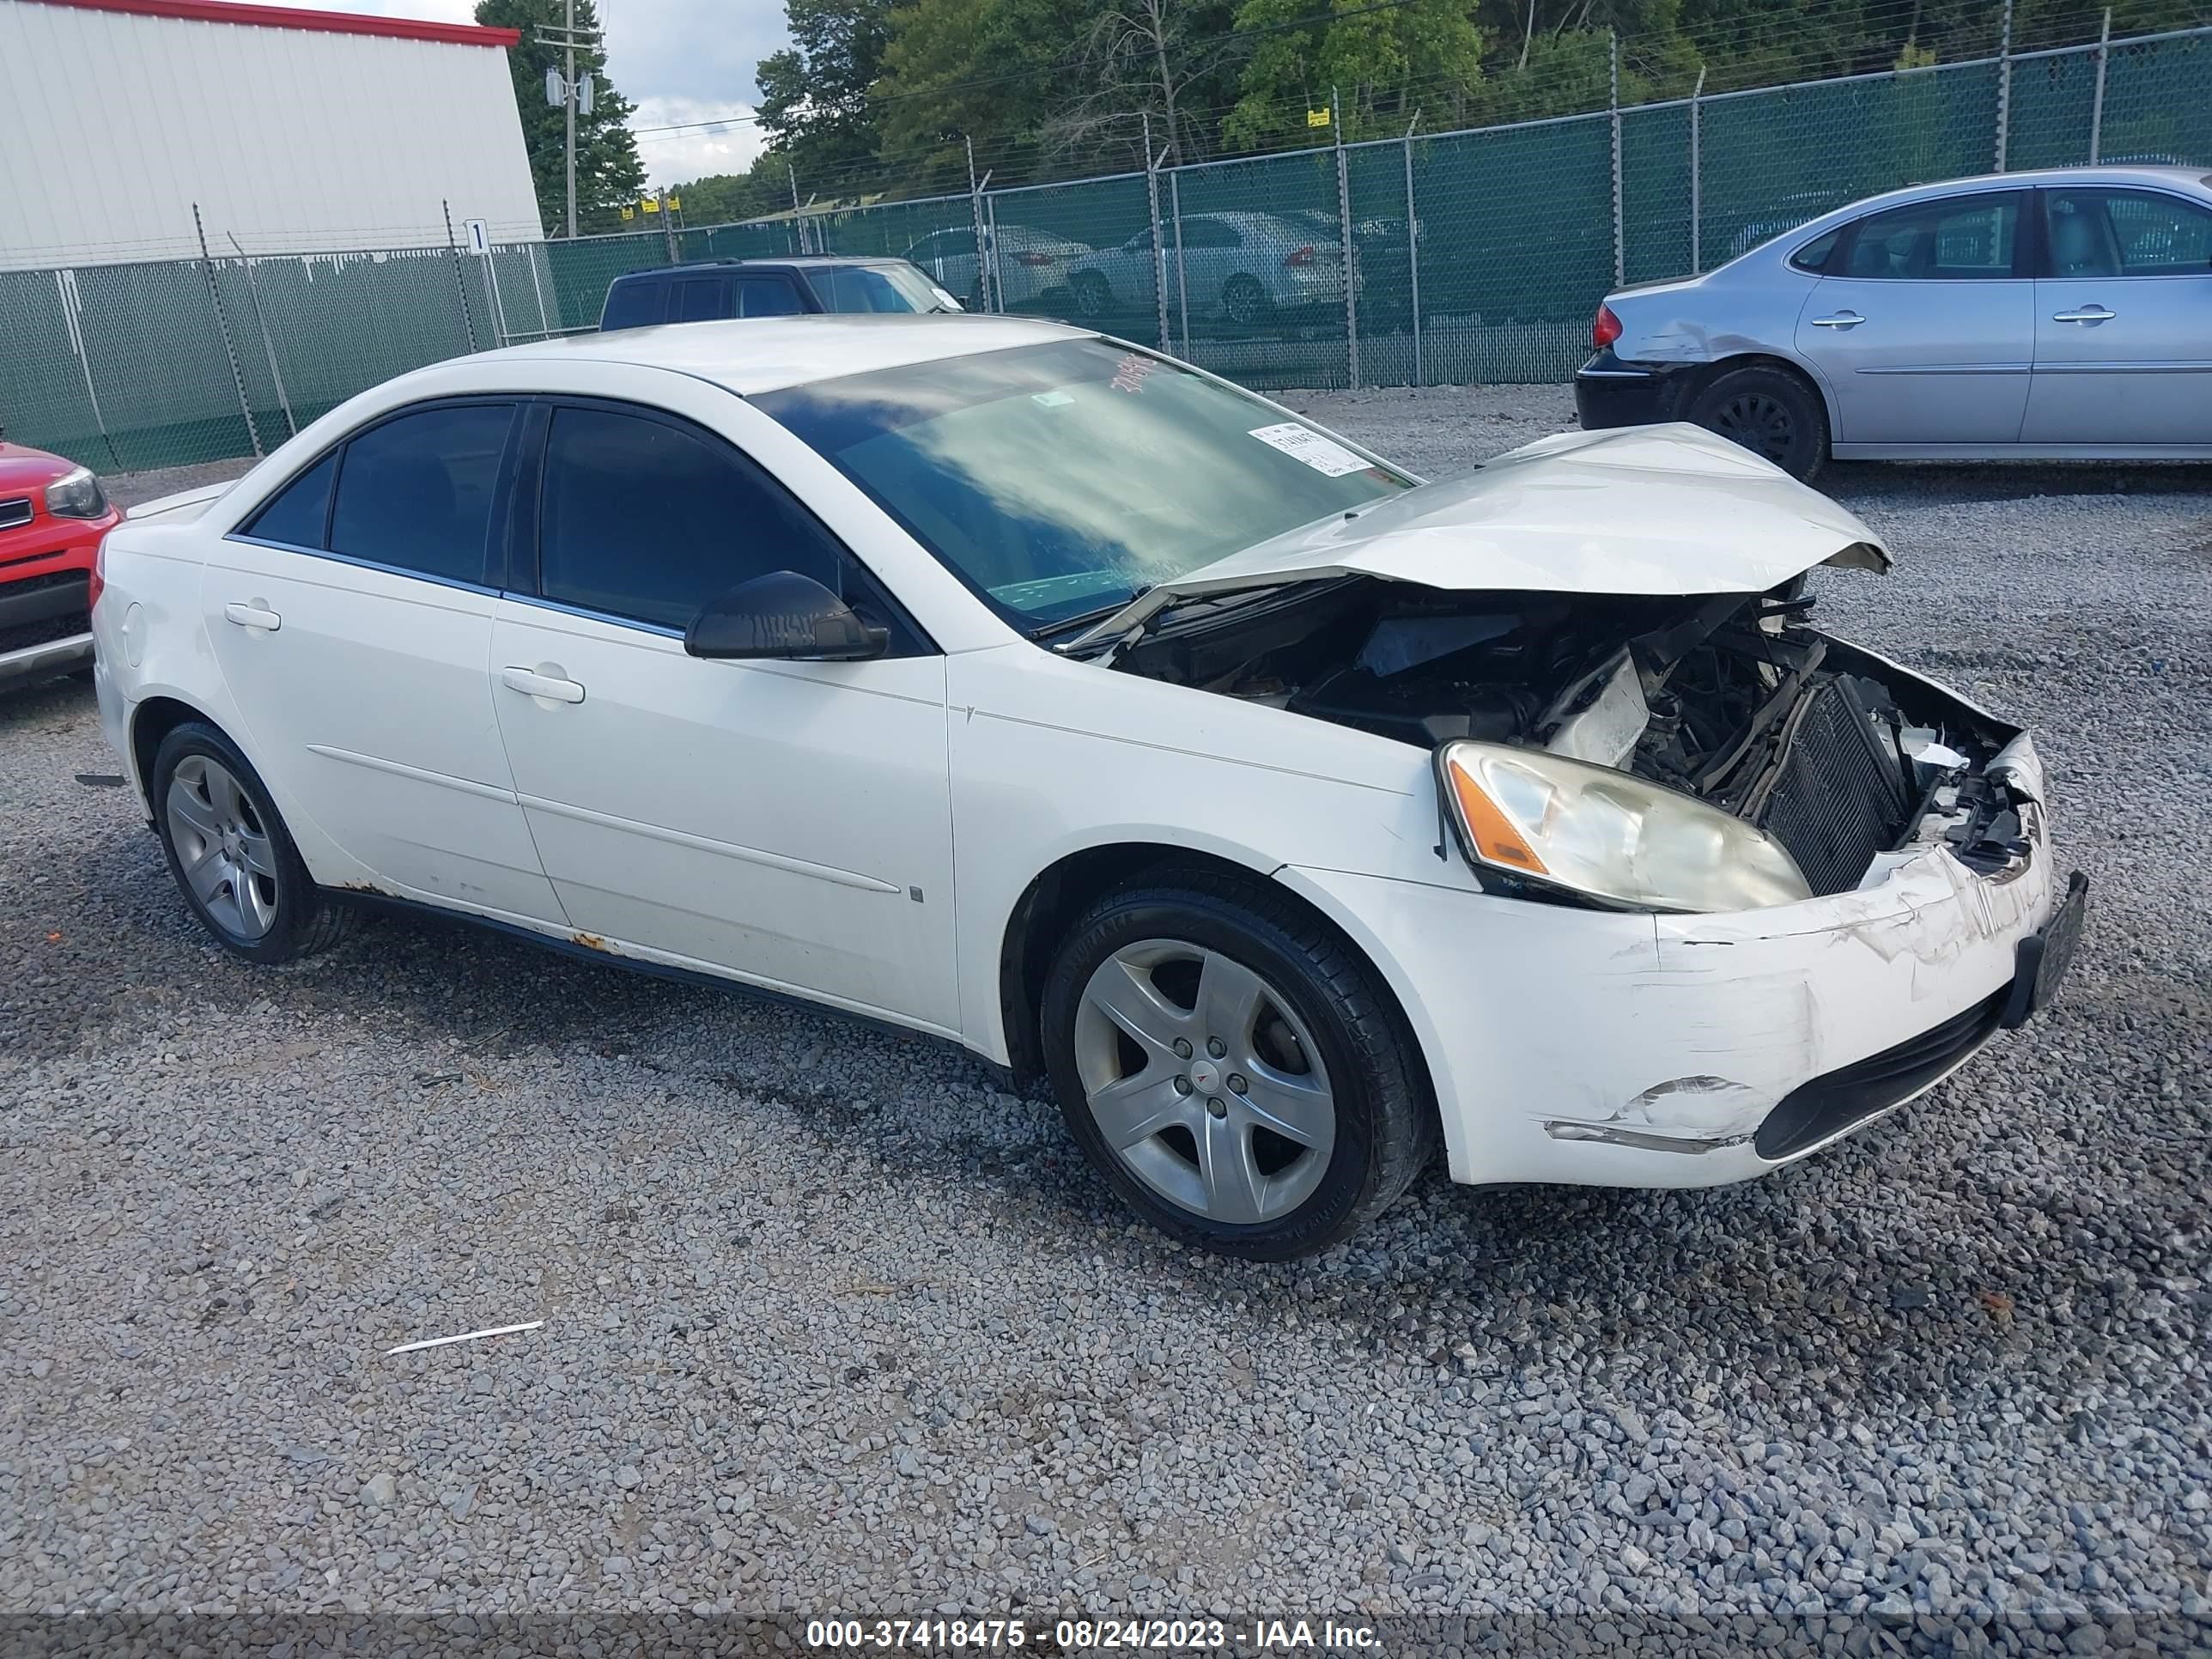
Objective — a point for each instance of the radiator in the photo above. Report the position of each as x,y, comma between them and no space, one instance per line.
1840,794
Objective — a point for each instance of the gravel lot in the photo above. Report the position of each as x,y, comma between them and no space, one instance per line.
831,1324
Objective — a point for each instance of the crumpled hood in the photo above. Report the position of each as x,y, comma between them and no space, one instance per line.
1647,510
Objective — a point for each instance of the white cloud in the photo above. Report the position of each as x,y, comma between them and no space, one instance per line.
673,158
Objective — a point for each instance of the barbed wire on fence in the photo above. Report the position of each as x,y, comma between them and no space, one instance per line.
1473,254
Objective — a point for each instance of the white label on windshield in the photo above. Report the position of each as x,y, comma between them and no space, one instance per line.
1303,443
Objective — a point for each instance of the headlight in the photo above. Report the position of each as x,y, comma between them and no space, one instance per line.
76,495
1604,833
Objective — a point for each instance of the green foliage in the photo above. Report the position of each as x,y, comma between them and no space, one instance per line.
608,172
814,103
1379,65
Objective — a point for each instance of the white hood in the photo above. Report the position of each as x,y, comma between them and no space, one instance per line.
1651,509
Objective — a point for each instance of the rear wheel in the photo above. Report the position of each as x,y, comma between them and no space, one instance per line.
1091,294
231,855
1244,300
1770,412
1232,1068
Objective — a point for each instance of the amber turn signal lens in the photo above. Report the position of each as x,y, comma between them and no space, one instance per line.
1495,837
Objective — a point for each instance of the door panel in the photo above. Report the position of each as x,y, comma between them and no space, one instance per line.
2123,321
788,821
371,705
1924,328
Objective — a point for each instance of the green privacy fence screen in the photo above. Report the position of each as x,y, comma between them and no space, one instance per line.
1432,259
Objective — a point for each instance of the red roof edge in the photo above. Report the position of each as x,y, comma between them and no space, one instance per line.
291,17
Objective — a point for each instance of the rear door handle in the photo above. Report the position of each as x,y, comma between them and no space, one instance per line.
532,684
2089,314
1841,320
252,613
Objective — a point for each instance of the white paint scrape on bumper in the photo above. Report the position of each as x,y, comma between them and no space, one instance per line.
1609,1049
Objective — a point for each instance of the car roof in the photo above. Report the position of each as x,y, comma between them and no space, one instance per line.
2144,172
768,354
800,261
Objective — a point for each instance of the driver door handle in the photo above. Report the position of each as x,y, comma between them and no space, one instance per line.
1841,320
532,683
2088,314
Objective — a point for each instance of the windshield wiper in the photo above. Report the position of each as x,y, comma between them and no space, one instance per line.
1086,618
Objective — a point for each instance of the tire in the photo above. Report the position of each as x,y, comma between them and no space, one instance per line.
231,855
1090,293
1244,301
1309,1041
1768,411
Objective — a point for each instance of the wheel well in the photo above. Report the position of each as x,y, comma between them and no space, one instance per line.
1712,372
1048,908
155,720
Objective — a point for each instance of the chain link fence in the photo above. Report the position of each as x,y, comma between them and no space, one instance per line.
1472,256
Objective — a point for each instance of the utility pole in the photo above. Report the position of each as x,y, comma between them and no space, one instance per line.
574,96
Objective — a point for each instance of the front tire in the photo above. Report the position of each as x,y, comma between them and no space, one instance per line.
1770,412
1244,301
1092,295
231,855
1233,1068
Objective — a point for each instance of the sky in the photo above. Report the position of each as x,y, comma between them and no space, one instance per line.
681,61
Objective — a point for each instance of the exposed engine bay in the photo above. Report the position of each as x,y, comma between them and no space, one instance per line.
1732,698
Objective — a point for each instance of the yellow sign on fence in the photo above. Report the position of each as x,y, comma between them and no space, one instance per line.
1316,118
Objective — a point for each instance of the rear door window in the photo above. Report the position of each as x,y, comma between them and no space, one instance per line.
1952,238
417,493
702,299
635,305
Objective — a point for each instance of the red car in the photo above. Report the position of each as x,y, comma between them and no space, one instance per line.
52,515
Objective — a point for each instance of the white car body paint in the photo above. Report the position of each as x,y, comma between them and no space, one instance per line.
1564,1044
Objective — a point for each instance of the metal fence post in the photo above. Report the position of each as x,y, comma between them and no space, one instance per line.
976,226
1160,242
460,282
268,346
2096,103
1183,277
1697,174
1413,252
1348,268
2004,87
797,222
1613,104
991,229
668,230
222,325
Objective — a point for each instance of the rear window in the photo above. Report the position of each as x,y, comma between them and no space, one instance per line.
635,305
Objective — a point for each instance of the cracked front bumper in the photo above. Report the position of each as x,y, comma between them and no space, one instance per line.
1570,1045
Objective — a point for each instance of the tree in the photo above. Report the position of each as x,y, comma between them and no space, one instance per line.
608,173
814,103
1382,63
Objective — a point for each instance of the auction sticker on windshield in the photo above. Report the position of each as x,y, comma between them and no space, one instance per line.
1303,443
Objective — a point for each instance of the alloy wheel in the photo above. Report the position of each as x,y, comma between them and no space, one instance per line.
222,846
1203,1082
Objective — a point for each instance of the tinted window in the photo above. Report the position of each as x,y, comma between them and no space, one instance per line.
1208,233
767,296
1813,256
417,493
1961,238
2126,233
635,305
646,520
702,299
872,288
300,513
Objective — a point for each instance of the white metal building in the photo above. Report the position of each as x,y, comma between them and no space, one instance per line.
292,131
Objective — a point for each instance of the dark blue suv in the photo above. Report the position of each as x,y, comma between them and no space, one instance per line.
768,288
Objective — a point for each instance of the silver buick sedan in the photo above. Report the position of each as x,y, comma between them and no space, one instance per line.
2032,316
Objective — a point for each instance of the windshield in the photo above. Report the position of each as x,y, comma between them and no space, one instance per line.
879,288
1060,480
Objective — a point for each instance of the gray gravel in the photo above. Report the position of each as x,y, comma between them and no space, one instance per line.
830,1323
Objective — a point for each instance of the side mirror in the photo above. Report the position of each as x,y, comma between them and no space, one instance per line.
782,615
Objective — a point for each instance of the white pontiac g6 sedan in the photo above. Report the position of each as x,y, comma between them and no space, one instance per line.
1026,689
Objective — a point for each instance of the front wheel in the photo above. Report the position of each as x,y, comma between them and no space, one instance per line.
1093,297
1244,301
1232,1068
1772,414
231,855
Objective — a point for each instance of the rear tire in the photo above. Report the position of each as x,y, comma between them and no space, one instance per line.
231,855
1092,295
1244,301
1769,411
1299,1111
